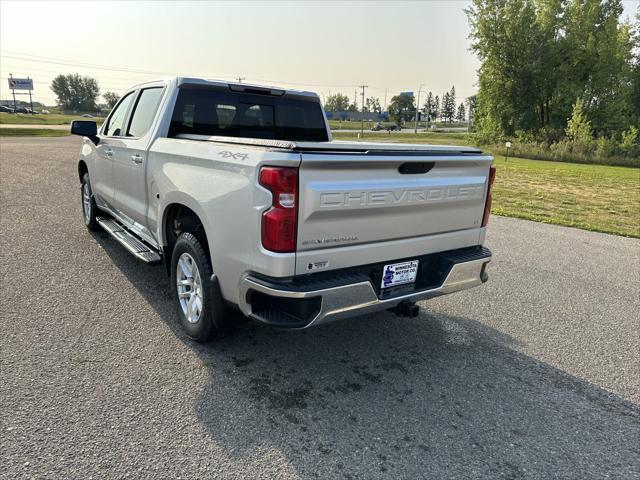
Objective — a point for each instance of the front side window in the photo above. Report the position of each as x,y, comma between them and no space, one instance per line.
144,112
212,112
115,124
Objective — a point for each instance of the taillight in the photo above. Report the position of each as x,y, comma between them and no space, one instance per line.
279,223
487,205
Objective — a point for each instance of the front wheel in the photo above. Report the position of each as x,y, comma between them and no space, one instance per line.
89,208
202,311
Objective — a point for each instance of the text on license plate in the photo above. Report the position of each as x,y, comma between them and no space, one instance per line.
399,273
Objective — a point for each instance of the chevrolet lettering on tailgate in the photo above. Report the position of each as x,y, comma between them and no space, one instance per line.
350,199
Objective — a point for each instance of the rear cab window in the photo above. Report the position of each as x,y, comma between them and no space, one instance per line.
212,111
144,111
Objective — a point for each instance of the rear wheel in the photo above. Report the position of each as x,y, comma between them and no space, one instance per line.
89,208
202,311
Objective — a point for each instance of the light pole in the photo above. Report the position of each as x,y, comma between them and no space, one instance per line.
415,130
362,118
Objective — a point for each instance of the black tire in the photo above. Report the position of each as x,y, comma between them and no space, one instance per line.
89,218
216,317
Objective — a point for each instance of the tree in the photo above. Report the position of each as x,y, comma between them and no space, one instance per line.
444,110
402,107
337,103
507,41
76,93
538,56
452,103
461,116
436,108
111,98
372,104
430,107
634,91
352,108
472,103
578,127
448,107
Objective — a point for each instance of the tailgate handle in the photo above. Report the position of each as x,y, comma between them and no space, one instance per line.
412,168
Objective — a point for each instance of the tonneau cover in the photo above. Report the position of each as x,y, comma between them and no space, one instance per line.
339,146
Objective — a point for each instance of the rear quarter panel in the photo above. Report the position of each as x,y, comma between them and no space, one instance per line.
218,182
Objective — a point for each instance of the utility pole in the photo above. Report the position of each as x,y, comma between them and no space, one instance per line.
362,123
417,107
14,95
240,79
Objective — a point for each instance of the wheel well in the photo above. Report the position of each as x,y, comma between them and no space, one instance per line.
82,169
180,219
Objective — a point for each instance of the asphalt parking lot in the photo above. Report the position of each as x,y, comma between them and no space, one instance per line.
534,375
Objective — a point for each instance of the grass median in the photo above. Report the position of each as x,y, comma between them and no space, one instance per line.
43,119
592,197
32,132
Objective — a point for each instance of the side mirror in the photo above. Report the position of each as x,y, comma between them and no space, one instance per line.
85,128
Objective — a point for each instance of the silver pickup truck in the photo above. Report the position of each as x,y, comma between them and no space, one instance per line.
243,195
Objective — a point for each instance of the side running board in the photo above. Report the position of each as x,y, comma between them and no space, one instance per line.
138,248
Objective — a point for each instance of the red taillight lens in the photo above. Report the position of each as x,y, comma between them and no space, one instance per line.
487,205
279,223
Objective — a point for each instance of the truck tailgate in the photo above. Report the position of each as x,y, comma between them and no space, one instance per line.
351,199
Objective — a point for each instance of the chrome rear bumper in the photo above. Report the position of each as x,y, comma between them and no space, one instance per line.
352,299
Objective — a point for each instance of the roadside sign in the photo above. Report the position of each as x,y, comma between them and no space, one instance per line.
20,83
407,93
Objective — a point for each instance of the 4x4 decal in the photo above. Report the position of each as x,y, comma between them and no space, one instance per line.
235,156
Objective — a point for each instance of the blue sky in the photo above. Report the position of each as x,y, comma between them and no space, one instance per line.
321,46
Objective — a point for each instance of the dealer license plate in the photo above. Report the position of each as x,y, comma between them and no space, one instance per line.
399,273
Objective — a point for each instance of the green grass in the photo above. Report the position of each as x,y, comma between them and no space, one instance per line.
32,132
50,119
592,197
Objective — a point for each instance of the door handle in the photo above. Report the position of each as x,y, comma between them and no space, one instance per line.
137,159
108,153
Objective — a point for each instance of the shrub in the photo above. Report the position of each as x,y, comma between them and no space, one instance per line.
605,147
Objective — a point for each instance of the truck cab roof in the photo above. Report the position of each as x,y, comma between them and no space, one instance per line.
178,81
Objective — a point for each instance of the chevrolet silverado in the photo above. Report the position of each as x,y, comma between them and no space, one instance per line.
240,191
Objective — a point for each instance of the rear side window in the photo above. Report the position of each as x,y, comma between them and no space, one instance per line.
208,111
115,124
144,111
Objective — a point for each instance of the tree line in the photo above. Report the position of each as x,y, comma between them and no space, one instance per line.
341,103
402,107
556,71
